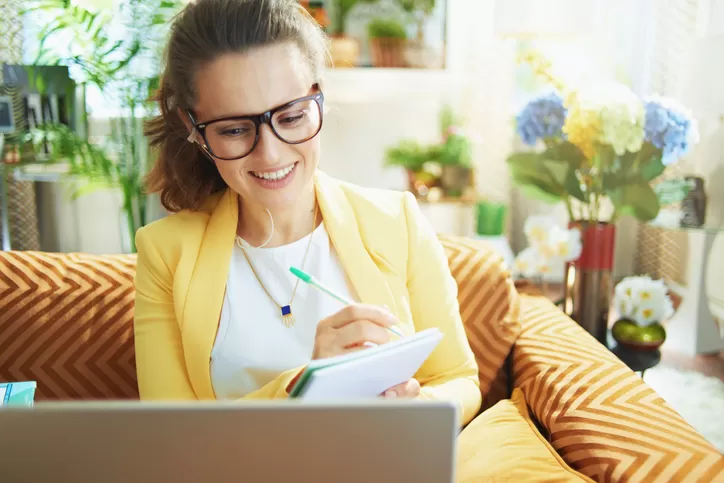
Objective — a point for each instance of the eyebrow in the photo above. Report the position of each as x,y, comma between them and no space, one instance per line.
233,116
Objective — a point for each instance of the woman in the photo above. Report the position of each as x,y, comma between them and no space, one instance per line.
218,315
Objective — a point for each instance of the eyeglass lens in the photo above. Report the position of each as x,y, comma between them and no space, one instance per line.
234,138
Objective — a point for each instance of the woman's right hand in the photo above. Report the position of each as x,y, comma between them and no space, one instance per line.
349,329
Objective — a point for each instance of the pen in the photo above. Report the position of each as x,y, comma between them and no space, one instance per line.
308,279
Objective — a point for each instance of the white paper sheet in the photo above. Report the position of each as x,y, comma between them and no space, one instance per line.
370,372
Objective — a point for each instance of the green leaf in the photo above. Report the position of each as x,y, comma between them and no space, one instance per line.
566,151
558,170
637,200
653,168
534,192
573,186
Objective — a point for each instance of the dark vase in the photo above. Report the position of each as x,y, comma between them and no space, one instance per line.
693,207
588,283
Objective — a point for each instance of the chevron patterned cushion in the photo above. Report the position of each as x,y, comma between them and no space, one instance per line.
66,321
602,419
489,304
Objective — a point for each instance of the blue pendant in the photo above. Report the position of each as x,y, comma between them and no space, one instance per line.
287,317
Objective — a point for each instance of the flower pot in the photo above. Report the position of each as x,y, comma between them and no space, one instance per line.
455,179
388,52
422,56
588,284
627,333
344,51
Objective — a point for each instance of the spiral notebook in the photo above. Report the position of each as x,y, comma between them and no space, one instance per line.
366,373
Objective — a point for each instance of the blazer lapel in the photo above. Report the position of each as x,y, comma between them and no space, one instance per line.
341,223
206,294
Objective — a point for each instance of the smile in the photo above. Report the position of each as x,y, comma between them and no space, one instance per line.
274,175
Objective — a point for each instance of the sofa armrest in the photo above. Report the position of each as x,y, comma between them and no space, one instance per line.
601,417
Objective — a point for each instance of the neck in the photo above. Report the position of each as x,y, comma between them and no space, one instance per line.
290,223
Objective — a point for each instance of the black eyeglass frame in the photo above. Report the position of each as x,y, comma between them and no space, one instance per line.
258,120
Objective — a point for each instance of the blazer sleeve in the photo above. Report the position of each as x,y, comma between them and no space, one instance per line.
450,373
160,365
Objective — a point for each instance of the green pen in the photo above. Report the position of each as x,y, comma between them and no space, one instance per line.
308,279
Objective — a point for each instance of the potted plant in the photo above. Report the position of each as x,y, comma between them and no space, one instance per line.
344,50
455,155
119,68
417,52
387,39
642,305
601,148
419,163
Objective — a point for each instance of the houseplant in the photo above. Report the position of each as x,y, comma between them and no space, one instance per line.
344,50
123,68
387,37
418,161
642,304
455,155
418,53
601,148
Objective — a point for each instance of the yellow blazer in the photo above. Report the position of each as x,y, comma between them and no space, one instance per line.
388,249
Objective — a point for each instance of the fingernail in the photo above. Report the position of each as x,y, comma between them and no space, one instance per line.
390,394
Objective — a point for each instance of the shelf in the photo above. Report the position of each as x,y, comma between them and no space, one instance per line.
359,85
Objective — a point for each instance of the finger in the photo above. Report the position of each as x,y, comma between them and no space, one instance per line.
361,331
409,389
351,313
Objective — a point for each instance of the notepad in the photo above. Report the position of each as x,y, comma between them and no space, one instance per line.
366,373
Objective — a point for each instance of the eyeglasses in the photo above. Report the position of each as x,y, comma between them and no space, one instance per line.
235,137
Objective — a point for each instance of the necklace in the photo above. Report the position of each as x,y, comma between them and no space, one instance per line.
286,310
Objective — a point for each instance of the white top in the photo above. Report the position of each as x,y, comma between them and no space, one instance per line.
252,345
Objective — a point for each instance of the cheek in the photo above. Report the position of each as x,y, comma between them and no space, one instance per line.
230,171
310,151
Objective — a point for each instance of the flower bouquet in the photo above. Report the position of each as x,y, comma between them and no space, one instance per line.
600,149
642,304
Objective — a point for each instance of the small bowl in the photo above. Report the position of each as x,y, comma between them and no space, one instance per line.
629,334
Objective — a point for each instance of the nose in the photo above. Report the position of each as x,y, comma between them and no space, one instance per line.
269,146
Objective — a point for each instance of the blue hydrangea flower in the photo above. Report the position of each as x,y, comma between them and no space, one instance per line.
670,127
541,118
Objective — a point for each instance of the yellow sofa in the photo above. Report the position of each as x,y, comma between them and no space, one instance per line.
66,321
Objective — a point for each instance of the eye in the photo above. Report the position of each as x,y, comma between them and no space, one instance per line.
290,119
234,132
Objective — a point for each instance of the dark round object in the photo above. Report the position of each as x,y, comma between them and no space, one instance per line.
636,359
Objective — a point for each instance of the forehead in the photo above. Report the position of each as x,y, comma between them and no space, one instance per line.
251,82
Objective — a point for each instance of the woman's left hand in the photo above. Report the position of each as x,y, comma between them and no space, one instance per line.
406,390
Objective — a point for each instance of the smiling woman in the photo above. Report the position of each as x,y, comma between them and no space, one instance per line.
218,314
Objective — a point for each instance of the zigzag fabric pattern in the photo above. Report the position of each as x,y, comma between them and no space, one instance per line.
489,305
602,419
66,321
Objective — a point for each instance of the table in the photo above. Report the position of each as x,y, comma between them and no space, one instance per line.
636,360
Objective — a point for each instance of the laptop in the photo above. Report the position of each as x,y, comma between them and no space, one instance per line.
380,441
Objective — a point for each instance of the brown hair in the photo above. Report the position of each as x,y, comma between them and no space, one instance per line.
202,31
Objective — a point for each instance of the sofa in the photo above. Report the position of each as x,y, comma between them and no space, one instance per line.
66,321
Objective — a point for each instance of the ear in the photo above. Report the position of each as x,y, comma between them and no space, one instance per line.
189,125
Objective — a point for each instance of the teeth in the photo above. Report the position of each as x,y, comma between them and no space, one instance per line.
275,175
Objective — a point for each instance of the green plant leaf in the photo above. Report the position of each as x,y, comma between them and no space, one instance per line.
566,151
573,186
557,169
652,168
637,200
535,192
